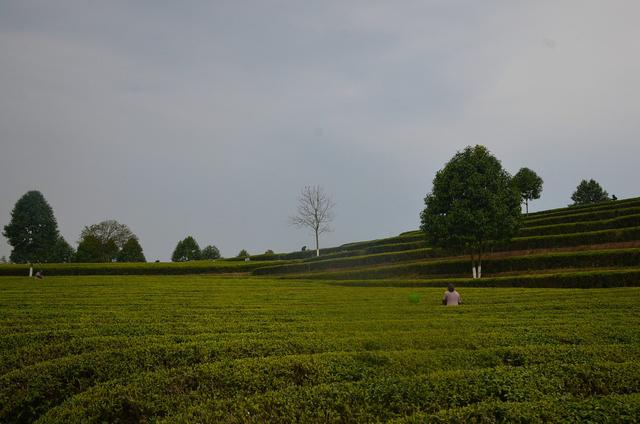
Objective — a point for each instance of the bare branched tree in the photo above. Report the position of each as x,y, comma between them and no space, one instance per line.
314,212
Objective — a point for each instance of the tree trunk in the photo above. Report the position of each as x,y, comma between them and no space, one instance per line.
526,205
317,245
473,266
480,262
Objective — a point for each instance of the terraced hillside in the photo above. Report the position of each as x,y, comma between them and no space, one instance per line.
588,246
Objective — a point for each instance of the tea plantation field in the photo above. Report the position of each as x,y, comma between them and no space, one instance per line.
204,348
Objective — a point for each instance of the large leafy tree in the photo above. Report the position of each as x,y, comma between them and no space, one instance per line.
33,230
472,205
102,242
109,230
589,192
210,252
131,251
529,184
186,250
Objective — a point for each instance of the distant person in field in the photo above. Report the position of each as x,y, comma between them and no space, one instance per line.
451,297
39,275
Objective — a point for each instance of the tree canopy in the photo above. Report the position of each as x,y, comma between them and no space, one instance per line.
529,185
103,242
472,205
243,254
33,230
186,250
131,251
92,249
210,252
589,192
109,230
62,251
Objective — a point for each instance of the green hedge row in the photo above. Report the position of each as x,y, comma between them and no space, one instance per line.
607,409
151,268
454,267
580,227
570,240
339,387
381,258
304,390
572,279
391,244
583,216
635,201
383,248
521,243
415,237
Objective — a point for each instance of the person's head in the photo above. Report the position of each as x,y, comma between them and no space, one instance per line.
450,287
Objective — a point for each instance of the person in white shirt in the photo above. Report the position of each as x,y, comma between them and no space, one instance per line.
451,297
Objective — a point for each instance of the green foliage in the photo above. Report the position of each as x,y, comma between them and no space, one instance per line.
348,262
627,277
138,268
582,226
580,216
473,203
243,254
616,235
590,207
589,192
62,251
131,251
104,241
109,230
186,250
439,268
210,252
93,249
259,350
528,184
33,230
414,298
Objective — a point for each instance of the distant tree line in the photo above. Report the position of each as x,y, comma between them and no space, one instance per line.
33,234
474,204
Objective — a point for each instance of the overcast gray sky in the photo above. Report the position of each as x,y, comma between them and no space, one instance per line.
205,118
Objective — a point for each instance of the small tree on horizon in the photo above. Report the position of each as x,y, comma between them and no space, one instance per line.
473,204
589,192
243,254
210,252
131,251
315,211
186,250
529,184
